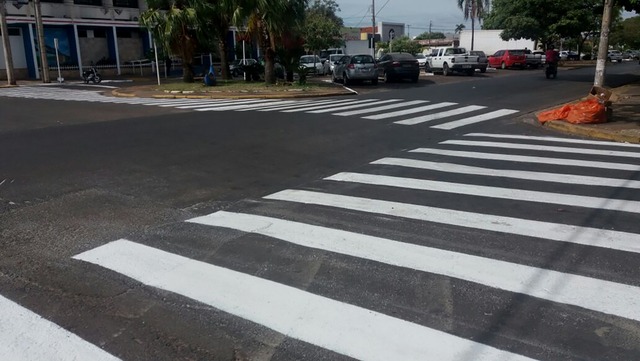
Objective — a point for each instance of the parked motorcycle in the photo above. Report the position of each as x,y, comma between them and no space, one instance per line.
91,75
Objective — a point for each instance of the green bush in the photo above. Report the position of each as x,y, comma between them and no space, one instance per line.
303,73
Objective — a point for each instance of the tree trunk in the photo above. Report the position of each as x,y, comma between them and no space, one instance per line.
222,47
269,66
8,58
41,43
603,46
473,25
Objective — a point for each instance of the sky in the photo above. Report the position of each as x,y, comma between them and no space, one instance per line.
444,15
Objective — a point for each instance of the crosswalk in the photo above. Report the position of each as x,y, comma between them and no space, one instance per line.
447,115
407,229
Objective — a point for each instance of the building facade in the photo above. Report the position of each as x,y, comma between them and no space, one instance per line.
106,33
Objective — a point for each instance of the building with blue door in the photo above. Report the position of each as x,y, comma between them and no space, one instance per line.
106,33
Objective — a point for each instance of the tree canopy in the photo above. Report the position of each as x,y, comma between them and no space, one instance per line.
427,36
625,35
548,20
322,27
401,45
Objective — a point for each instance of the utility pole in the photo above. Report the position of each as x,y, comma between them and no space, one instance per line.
409,31
373,27
603,45
430,33
41,44
6,44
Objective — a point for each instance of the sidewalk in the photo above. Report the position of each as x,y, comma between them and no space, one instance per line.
622,126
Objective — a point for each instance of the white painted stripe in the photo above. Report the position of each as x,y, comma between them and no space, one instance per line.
508,173
492,192
354,105
241,106
197,102
623,241
410,111
297,106
475,119
237,106
546,148
554,139
330,105
435,116
277,104
384,107
594,294
346,329
221,103
528,159
25,336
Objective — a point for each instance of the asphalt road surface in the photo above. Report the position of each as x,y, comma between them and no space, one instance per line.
409,222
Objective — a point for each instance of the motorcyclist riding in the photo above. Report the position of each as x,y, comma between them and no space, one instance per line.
551,58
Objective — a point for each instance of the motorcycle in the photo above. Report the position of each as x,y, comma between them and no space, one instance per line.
91,75
551,70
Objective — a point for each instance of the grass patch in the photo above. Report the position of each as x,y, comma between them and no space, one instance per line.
238,86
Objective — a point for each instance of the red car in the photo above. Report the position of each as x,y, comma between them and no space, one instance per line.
508,59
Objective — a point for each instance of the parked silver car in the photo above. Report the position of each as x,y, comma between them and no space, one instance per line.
314,64
352,68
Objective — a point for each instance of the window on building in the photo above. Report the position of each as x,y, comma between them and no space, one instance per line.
126,33
13,32
88,2
125,4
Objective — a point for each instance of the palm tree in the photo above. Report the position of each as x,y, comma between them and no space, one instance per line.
173,24
217,15
459,28
269,21
474,9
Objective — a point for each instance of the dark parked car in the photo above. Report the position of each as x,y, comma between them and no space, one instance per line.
395,66
355,67
482,59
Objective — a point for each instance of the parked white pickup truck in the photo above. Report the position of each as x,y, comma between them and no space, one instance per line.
450,59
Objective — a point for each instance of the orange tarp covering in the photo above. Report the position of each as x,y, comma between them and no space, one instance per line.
587,111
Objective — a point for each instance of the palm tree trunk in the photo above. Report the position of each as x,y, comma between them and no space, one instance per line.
8,59
473,25
222,47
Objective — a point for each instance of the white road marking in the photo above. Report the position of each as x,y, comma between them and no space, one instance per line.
297,106
475,119
440,115
545,148
223,103
493,192
26,336
278,105
343,328
509,173
237,106
594,294
529,159
353,106
378,109
623,241
410,111
554,139
196,102
330,105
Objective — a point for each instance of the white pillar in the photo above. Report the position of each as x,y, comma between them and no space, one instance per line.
33,51
115,45
78,51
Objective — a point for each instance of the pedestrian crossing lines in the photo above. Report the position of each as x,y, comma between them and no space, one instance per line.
368,218
25,335
447,115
